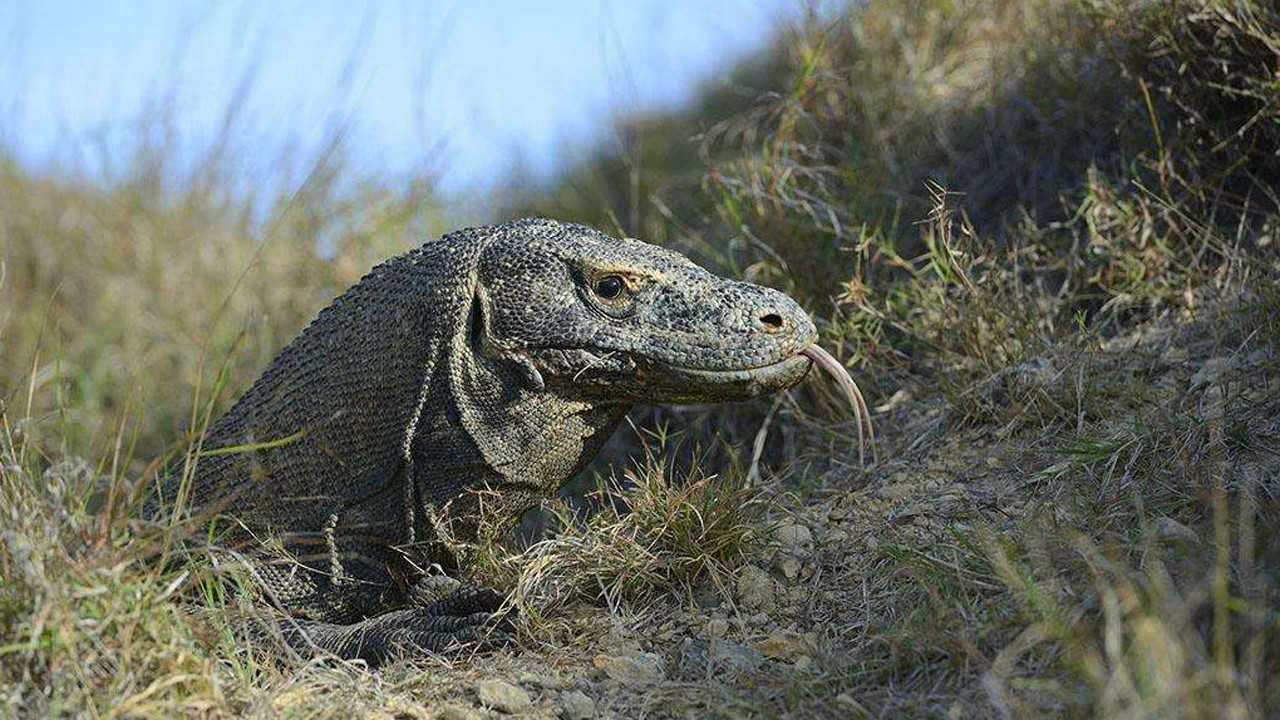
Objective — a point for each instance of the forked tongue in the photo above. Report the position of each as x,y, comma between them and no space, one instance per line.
832,367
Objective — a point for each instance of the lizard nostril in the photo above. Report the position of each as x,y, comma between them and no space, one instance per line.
771,322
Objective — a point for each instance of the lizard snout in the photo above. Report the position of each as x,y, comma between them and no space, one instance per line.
778,317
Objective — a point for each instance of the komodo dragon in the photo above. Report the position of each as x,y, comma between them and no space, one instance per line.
497,358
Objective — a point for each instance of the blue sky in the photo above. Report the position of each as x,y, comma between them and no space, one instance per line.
457,88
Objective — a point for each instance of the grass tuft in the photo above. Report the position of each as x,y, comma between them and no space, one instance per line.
652,532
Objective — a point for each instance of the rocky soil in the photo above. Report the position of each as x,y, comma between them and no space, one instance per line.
845,614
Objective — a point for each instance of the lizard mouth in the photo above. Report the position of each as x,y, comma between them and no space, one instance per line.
650,380
696,385
738,382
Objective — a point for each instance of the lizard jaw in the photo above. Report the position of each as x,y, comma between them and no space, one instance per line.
671,383
676,384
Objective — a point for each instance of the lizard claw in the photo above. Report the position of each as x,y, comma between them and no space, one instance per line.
433,630
458,606
472,602
433,588
466,600
406,633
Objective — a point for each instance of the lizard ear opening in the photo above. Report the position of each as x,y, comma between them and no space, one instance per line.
477,327
479,334
497,392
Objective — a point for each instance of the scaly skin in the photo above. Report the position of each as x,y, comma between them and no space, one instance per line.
497,359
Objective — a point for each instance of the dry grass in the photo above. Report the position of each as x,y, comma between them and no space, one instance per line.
652,533
118,294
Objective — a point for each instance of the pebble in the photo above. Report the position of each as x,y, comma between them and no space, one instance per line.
698,655
546,682
503,696
1171,530
897,491
632,668
794,536
576,705
458,712
735,655
1212,370
755,588
782,645
901,397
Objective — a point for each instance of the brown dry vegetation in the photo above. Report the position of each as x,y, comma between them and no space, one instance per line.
1042,234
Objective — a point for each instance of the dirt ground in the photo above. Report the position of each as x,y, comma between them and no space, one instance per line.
843,614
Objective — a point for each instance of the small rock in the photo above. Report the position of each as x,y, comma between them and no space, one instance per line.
1037,372
790,567
1212,370
782,645
632,668
1171,530
546,682
898,398
735,656
755,588
622,638
794,537
1213,404
291,699
458,712
804,663
503,696
698,655
575,705
718,627
897,491
847,700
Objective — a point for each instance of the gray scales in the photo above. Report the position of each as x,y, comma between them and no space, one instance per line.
493,362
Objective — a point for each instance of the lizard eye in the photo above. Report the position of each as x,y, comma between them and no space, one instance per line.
609,287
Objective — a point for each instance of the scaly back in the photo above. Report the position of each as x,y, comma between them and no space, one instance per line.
335,408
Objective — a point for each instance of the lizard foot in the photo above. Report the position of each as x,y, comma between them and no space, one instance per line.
447,596
431,588
464,618
472,601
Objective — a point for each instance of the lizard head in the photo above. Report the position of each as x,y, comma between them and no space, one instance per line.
611,320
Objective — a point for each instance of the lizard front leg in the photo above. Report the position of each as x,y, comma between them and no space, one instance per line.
441,627
336,599
444,615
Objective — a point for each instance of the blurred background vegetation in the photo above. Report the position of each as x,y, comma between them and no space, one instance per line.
957,190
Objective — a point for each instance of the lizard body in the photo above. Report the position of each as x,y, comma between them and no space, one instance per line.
495,359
